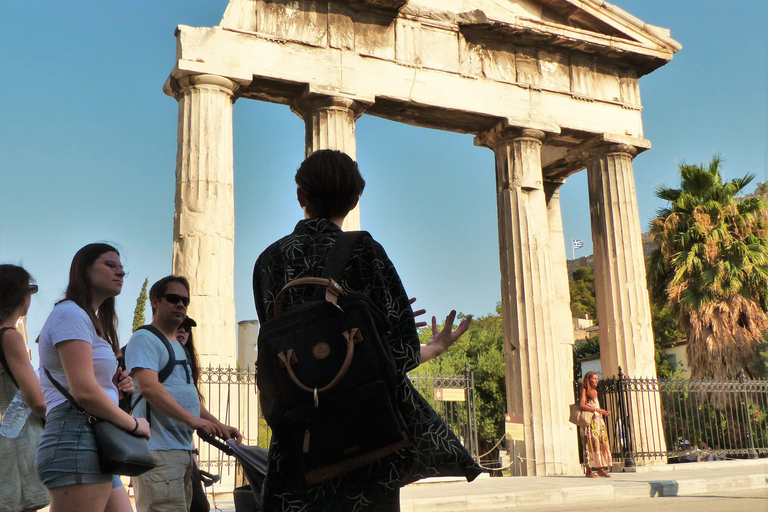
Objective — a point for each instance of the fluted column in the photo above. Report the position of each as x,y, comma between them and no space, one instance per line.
330,124
204,222
531,341
563,317
623,307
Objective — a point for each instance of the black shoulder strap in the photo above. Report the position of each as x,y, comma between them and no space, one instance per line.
338,257
3,359
166,371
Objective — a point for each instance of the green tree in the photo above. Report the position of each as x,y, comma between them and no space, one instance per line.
665,330
482,349
582,349
711,268
582,289
141,306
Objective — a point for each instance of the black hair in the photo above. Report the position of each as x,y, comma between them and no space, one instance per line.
14,287
331,182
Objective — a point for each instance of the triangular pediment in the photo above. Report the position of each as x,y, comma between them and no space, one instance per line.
591,20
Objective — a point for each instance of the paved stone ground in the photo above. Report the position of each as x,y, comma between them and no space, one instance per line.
485,493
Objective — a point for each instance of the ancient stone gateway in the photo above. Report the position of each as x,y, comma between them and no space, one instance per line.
549,85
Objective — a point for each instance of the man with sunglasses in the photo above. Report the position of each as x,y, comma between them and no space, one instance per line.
169,401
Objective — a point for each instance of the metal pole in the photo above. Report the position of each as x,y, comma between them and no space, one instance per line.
629,459
752,452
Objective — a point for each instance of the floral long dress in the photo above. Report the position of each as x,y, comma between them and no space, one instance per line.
597,451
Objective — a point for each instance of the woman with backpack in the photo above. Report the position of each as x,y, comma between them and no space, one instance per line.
20,487
329,187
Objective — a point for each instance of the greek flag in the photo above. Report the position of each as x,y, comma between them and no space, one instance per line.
577,244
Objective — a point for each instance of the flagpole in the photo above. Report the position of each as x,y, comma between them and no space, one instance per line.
573,251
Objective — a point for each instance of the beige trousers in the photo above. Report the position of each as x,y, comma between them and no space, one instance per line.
167,487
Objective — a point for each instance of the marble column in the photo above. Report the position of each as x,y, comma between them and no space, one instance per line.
204,222
563,318
330,124
531,340
623,307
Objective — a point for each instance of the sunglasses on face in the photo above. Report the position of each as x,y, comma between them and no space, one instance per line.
174,299
33,289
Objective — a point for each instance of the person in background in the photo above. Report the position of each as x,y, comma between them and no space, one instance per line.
20,487
78,346
597,451
185,337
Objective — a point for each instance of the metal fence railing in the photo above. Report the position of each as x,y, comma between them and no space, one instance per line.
719,419
231,395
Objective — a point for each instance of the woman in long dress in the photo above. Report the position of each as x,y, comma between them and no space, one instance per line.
597,451
20,487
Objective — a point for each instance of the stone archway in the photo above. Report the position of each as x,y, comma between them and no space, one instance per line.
549,85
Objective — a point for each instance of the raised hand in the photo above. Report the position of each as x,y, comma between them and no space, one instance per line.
442,340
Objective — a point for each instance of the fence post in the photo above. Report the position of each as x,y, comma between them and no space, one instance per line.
752,452
470,401
626,425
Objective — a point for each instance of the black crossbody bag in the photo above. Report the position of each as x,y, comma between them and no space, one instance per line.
120,452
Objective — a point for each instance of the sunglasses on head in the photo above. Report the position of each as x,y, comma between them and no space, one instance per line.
173,298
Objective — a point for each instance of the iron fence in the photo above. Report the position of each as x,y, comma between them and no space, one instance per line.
719,419
231,395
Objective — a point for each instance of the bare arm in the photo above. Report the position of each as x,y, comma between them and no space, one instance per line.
158,397
227,431
18,359
77,360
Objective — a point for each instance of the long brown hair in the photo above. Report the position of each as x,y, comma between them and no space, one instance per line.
79,291
194,360
591,392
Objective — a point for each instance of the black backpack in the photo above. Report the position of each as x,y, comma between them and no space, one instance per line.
166,370
326,376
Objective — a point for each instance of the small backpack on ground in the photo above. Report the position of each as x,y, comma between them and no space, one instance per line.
326,376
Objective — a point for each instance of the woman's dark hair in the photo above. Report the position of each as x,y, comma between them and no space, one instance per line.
14,287
194,360
79,292
331,182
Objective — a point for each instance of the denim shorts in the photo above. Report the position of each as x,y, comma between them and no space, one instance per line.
67,453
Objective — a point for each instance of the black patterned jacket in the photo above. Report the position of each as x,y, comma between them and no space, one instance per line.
435,451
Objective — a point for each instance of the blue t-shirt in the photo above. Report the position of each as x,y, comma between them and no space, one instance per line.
145,350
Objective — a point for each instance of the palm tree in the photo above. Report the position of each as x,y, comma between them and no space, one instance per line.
711,268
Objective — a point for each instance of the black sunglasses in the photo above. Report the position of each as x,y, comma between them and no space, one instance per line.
172,298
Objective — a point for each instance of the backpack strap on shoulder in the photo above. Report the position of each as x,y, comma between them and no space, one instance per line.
4,360
338,257
165,371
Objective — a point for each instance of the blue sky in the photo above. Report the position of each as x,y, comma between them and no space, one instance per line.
88,150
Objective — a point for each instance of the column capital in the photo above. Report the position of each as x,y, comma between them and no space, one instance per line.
501,134
609,148
308,102
176,87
